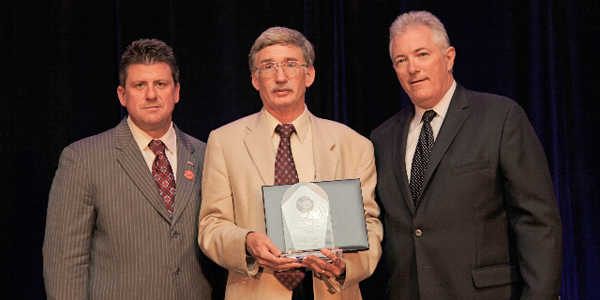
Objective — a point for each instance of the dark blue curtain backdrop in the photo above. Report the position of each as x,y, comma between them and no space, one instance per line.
58,79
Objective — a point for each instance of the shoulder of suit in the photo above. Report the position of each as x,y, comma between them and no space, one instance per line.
186,138
97,141
391,123
479,98
234,127
337,129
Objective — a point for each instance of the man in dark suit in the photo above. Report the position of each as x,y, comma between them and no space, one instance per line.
473,216
122,220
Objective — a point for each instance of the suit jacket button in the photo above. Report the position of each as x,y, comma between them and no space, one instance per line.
418,232
176,271
174,233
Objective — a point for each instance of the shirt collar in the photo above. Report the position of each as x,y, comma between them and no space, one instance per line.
301,123
143,139
441,108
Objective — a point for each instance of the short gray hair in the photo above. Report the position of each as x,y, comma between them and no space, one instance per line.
148,52
416,18
276,35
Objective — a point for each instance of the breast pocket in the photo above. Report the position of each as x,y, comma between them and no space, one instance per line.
471,166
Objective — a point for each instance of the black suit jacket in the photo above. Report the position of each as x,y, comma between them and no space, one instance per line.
487,224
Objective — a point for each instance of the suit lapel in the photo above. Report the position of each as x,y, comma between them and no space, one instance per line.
259,146
457,113
185,185
326,161
133,163
399,137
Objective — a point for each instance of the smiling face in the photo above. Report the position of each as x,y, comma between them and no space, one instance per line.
150,95
283,96
423,69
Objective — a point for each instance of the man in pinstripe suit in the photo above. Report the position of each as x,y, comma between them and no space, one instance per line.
109,234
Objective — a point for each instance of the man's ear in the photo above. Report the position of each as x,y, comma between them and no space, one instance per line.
310,76
177,88
121,94
255,81
450,55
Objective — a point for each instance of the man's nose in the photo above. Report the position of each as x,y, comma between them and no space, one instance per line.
413,66
280,75
151,92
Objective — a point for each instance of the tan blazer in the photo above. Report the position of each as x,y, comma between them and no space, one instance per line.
108,233
239,160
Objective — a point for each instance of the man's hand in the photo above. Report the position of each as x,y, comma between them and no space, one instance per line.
336,268
267,254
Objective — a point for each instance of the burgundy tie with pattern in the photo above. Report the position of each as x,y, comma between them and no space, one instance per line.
163,174
285,173
419,163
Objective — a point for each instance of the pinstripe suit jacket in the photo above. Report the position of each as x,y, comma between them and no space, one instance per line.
108,233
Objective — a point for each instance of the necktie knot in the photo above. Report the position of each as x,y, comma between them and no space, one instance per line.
157,146
285,130
428,116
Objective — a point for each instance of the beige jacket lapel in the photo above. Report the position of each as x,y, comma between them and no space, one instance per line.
259,146
326,161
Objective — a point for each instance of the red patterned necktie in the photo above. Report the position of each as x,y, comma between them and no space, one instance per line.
419,163
163,174
285,169
285,173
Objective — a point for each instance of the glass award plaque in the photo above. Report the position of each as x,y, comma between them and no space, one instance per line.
303,218
306,220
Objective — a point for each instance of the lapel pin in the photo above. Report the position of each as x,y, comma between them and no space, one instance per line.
189,174
190,163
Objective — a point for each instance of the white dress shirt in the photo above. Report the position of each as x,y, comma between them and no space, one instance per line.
415,125
301,143
143,139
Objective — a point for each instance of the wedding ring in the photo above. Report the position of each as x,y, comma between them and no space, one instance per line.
323,272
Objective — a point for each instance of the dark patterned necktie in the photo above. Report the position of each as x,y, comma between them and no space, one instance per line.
285,169
163,174
419,163
285,173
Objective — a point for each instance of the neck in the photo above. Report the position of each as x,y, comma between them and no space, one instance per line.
285,116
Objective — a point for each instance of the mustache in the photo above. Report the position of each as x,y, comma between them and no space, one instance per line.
281,87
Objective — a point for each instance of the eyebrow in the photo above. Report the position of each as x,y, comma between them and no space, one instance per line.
415,51
286,59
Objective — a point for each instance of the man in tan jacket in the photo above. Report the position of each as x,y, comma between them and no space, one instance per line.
240,159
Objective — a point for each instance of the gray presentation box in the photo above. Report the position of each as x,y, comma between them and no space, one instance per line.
346,209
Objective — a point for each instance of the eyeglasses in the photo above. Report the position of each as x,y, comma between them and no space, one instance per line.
291,68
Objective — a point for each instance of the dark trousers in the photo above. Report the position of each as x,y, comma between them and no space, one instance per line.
304,291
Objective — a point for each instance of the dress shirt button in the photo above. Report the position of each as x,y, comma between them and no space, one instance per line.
418,232
176,271
174,233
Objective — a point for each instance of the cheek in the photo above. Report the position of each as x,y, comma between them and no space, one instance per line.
402,76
